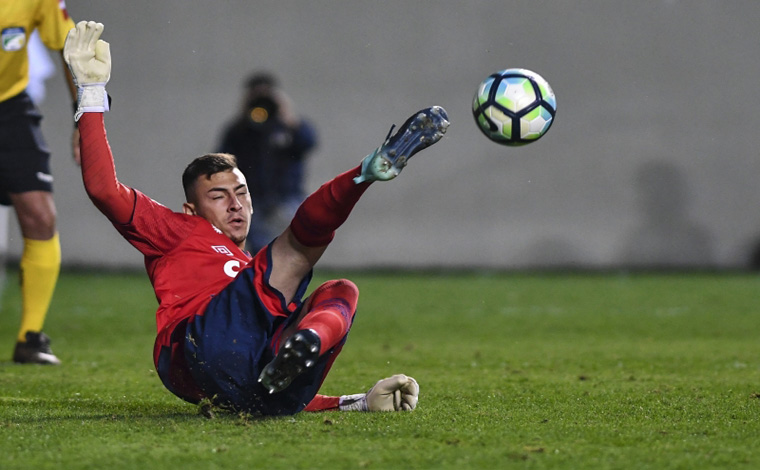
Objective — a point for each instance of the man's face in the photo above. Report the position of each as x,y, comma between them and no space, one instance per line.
224,201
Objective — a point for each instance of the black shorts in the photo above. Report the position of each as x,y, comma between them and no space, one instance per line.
24,155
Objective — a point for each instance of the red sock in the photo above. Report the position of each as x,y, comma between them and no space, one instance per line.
326,209
322,403
331,311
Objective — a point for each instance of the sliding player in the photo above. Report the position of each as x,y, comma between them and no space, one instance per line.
232,328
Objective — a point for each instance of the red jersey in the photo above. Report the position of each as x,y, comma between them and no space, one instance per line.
188,260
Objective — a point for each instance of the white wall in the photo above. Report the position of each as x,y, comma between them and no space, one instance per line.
657,101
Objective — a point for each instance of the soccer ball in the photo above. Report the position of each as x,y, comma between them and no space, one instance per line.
514,107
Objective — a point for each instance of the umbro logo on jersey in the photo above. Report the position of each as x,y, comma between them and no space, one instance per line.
231,267
222,250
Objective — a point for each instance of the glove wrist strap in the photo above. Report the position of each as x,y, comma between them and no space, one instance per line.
356,402
91,98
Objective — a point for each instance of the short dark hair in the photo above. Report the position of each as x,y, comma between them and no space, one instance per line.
206,165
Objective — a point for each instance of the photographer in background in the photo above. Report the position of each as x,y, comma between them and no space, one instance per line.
271,143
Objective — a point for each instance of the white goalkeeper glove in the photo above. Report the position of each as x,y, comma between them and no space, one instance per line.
89,59
397,393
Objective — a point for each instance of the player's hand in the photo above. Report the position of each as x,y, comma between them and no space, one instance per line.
89,59
397,393
88,56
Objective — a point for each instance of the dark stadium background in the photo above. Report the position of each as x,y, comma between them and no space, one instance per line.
652,160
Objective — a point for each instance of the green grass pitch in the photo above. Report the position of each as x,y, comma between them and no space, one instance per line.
516,371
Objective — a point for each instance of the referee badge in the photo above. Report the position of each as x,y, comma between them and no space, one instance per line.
14,39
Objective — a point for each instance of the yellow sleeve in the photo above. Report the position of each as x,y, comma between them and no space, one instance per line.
54,23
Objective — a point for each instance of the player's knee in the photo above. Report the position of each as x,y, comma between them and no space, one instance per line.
345,287
342,289
37,224
346,284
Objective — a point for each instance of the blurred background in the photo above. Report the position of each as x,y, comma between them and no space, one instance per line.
652,160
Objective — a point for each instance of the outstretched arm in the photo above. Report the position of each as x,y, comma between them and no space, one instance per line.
115,200
89,59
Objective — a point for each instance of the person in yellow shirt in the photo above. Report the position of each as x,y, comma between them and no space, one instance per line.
25,179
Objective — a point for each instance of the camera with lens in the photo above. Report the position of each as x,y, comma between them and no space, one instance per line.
262,108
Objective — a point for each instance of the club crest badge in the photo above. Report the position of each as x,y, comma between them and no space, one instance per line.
14,39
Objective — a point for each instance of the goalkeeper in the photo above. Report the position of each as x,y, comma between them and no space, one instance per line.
233,328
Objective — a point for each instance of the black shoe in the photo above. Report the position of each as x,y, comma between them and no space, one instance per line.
36,350
300,352
419,132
